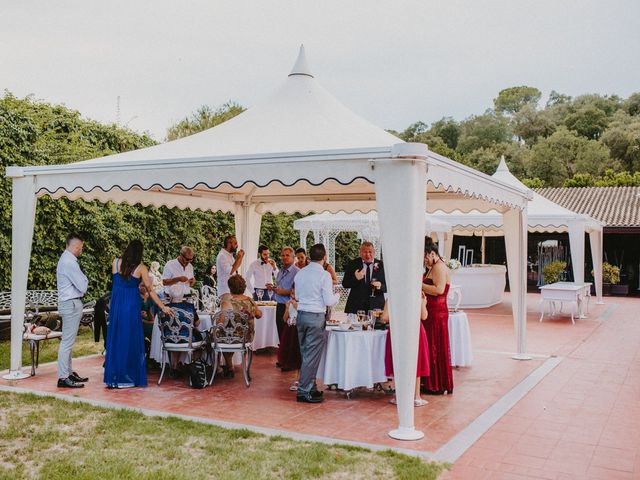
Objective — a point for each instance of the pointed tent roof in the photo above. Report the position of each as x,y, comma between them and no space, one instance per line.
543,215
299,150
299,116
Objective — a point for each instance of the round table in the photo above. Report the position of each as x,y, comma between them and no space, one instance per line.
460,339
353,359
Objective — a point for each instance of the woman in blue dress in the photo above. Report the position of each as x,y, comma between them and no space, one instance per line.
125,364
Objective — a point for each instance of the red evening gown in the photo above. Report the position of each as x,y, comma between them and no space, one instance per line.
422,369
289,352
437,328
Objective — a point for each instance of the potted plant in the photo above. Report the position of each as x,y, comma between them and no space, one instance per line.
553,271
610,277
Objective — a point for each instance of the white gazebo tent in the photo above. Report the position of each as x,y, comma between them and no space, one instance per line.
326,226
300,150
543,216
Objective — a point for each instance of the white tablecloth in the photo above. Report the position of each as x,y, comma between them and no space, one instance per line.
353,359
266,330
460,339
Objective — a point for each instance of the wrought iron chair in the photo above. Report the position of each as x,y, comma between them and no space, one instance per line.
34,319
176,334
229,335
209,299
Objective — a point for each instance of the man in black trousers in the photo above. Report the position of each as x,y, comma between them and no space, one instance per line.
365,277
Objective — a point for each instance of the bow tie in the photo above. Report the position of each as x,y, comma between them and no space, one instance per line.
263,263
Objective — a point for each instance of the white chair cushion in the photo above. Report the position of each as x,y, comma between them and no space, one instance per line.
32,336
231,346
176,347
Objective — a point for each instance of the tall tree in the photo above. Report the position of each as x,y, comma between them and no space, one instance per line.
204,118
512,99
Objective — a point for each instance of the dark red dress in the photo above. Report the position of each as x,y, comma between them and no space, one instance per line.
436,327
289,352
422,369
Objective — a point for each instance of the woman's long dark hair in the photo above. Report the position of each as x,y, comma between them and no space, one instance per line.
430,246
131,258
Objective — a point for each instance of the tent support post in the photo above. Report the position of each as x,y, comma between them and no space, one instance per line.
248,222
595,239
23,218
401,187
515,236
448,245
576,243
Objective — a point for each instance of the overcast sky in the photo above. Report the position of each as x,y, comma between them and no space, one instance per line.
393,62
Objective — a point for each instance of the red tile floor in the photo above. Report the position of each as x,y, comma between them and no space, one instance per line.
581,421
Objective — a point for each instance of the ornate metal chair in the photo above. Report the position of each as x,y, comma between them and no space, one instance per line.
229,335
209,299
176,333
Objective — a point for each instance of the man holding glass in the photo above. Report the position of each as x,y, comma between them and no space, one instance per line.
260,274
364,276
178,273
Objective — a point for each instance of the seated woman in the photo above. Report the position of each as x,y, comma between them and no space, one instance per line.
237,301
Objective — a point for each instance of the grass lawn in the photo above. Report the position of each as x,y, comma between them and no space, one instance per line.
54,439
49,349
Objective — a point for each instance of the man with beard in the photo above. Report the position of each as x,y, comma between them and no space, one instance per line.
227,264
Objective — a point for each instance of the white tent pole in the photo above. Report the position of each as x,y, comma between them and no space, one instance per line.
23,218
448,245
595,239
576,243
248,222
483,247
401,187
515,237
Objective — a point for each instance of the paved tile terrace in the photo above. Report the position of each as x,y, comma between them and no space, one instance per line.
582,420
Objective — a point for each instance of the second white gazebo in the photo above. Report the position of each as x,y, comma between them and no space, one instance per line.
326,226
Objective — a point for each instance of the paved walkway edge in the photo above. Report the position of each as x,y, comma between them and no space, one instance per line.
454,448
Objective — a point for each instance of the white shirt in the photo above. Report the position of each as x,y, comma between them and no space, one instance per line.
258,275
314,289
174,269
72,283
224,264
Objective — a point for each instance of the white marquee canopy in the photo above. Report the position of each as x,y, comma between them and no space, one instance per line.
543,215
299,151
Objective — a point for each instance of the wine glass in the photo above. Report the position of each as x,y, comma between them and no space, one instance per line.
373,289
269,294
259,294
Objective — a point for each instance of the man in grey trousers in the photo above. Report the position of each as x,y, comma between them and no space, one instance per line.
72,285
314,292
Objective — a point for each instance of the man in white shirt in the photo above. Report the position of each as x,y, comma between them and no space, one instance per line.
178,273
227,264
261,272
314,292
72,285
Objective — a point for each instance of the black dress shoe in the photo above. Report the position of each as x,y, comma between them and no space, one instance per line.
316,393
68,383
308,398
77,378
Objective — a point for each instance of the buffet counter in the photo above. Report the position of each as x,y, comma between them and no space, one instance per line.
482,285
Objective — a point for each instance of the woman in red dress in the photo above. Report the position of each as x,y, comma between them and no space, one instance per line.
422,369
436,287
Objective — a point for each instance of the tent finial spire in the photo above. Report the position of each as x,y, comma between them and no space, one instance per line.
502,167
301,67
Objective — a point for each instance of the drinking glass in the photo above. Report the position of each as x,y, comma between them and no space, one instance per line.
269,294
259,294
373,289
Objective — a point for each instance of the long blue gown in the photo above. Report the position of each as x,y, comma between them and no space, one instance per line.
125,364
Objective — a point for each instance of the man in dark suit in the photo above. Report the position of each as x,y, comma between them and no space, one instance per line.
365,277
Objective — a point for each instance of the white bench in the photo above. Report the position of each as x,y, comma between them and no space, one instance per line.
41,309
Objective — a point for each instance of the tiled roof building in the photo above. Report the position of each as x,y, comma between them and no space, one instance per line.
617,207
